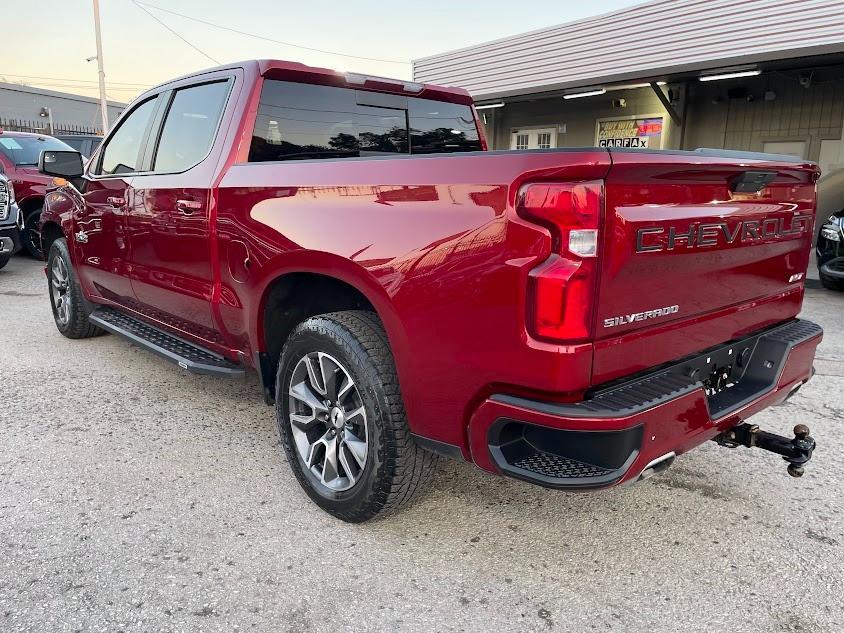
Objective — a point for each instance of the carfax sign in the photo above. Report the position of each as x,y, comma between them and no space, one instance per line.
637,133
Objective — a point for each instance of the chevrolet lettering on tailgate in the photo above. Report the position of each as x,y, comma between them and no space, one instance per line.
658,238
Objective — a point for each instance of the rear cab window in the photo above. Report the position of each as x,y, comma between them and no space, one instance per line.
190,126
298,121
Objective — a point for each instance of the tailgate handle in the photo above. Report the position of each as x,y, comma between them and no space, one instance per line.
751,181
188,206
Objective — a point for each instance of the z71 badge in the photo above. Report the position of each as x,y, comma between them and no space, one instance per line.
624,319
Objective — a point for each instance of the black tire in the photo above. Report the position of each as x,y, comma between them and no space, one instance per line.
71,319
831,283
395,467
4,259
30,237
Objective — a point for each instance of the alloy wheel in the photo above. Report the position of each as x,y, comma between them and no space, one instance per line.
328,420
59,286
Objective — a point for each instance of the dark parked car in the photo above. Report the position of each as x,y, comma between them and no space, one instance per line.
831,252
10,222
85,144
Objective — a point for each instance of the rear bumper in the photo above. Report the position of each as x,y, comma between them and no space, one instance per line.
638,425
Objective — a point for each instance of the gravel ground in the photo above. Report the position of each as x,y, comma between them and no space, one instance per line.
135,497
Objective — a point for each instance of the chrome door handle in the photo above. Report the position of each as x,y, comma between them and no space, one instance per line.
116,202
188,206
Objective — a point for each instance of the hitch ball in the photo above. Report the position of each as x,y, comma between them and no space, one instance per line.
795,471
801,441
796,451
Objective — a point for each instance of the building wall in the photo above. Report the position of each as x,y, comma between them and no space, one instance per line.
25,103
579,117
729,114
813,114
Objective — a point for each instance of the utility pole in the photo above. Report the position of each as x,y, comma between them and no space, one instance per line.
103,101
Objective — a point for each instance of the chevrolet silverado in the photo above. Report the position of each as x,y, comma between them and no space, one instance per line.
575,318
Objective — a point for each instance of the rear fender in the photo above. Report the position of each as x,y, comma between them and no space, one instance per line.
336,267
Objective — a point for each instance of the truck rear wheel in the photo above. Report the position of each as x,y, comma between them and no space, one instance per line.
70,311
341,417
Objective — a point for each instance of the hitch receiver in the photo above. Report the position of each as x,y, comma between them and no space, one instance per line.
796,451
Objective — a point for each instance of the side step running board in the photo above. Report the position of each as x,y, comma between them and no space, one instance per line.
186,355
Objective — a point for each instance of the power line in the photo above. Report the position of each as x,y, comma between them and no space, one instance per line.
42,84
269,39
149,13
65,80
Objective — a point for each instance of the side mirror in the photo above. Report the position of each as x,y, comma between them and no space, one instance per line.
61,163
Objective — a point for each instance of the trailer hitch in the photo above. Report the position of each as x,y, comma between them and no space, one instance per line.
797,451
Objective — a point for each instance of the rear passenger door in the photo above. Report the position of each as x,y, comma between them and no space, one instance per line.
170,211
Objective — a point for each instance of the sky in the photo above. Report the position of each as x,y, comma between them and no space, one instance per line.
51,39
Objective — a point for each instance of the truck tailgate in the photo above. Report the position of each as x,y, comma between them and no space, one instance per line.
693,256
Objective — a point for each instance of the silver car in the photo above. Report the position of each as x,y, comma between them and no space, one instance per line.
10,222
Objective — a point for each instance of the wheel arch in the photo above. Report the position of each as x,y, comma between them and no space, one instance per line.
50,232
293,295
30,203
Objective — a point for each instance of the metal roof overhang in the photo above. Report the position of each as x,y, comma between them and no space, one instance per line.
670,75
674,39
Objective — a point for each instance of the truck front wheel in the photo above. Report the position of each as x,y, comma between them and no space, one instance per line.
70,311
341,417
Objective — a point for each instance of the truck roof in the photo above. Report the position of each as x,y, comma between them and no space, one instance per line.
296,71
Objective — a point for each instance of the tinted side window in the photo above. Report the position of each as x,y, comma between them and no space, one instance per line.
436,126
304,121
121,153
190,126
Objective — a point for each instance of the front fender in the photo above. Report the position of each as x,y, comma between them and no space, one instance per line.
59,209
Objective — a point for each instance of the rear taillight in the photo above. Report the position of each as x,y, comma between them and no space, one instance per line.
562,288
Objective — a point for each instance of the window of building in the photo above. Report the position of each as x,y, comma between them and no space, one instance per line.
522,141
190,126
121,154
544,140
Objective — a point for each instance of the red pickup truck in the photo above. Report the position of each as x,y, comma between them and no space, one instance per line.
19,152
575,318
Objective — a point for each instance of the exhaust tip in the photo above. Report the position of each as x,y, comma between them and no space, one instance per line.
657,466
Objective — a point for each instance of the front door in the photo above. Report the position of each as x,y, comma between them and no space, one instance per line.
170,213
534,138
100,240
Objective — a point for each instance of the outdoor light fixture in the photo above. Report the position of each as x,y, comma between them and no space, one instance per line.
733,75
590,93
490,106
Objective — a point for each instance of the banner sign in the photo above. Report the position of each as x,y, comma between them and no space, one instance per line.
636,133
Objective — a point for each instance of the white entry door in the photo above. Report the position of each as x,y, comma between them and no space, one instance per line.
534,138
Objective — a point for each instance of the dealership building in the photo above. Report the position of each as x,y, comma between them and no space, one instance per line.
758,75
